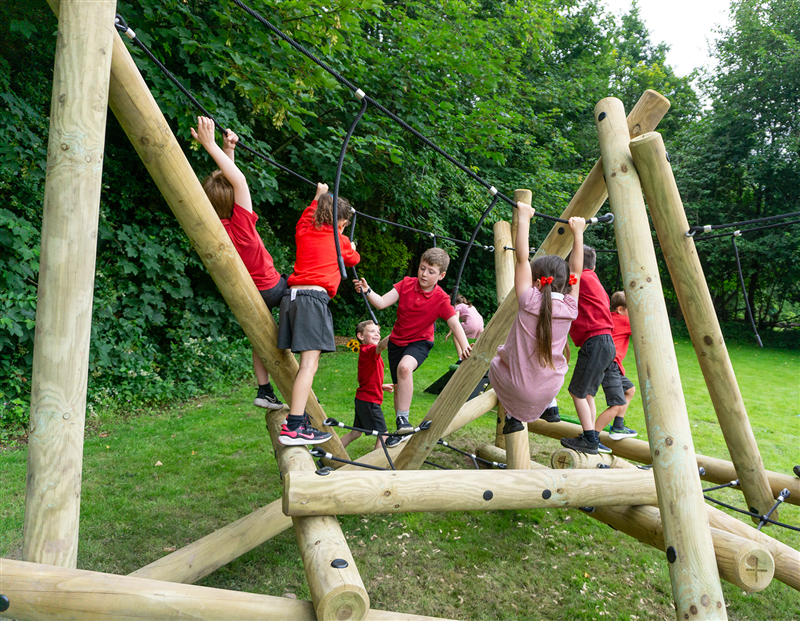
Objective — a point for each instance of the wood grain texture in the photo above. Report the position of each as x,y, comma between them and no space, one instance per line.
66,281
518,450
693,571
567,459
669,218
495,453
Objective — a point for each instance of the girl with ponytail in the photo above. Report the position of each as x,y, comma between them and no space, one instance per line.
529,369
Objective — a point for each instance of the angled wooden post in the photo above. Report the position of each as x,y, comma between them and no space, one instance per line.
644,117
504,273
66,281
690,551
144,124
669,219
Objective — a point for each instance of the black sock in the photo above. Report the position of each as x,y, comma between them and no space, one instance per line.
619,422
293,422
266,389
592,436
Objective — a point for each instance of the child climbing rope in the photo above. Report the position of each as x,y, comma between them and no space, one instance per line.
471,320
306,325
420,302
529,369
230,196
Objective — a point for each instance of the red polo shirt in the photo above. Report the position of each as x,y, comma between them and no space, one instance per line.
370,375
622,336
315,258
594,315
241,228
417,311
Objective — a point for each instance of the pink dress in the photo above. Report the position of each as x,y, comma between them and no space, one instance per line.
473,322
523,385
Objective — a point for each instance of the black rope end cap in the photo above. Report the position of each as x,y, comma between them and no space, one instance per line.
672,555
546,494
339,563
602,116
4,603
487,495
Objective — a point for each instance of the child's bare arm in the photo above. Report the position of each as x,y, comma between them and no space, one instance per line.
229,140
459,336
383,344
205,136
322,190
576,225
523,280
378,301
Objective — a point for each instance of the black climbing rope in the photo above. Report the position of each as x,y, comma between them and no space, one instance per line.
713,227
744,291
483,217
475,458
762,518
355,272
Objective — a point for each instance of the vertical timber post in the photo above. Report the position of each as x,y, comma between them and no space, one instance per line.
693,570
669,219
504,276
66,281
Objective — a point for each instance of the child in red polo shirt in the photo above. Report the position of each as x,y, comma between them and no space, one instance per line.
229,195
421,301
591,332
369,395
621,333
306,325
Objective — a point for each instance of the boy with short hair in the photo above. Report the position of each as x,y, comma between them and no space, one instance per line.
306,325
616,383
591,332
230,196
421,301
369,395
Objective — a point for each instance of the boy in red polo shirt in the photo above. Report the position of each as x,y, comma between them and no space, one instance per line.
421,301
591,332
229,195
369,395
306,325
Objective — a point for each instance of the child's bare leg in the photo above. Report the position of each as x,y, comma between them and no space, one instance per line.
584,411
309,361
608,415
350,436
404,388
592,405
262,376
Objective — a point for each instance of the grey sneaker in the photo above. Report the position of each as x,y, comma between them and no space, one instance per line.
580,444
602,448
621,434
403,426
270,402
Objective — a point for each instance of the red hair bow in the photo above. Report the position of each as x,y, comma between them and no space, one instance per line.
545,280
573,280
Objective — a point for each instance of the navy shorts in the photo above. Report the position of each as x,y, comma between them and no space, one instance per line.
369,416
306,323
272,297
615,385
418,350
595,361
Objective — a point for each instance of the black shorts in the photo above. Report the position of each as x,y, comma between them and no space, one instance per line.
615,384
595,359
272,297
306,323
369,416
418,350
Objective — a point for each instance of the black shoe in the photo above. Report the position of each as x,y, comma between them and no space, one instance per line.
796,470
550,415
512,425
580,444
403,426
267,400
393,440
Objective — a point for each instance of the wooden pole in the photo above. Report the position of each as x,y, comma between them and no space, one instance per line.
742,562
669,218
495,453
408,491
518,450
140,118
45,593
504,272
472,410
567,459
690,551
336,587
66,281
714,470
644,117
206,555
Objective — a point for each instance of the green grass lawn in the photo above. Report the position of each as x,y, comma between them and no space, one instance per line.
512,565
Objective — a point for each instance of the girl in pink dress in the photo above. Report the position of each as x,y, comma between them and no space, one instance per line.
529,369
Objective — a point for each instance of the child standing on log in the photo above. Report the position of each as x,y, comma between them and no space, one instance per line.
230,196
306,325
529,369
615,384
369,395
420,302
471,320
591,332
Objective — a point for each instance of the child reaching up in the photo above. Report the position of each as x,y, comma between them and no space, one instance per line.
420,302
529,369
229,195
306,325
470,319
369,395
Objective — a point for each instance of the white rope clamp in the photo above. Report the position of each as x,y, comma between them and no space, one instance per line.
737,233
360,94
493,191
707,228
128,32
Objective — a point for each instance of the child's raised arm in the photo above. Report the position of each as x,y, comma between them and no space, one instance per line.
459,336
378,301
205,136
576,225
523,279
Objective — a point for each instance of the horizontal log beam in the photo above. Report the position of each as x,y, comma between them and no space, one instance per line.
351,493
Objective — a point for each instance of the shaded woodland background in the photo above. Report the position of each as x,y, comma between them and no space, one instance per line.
506,87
